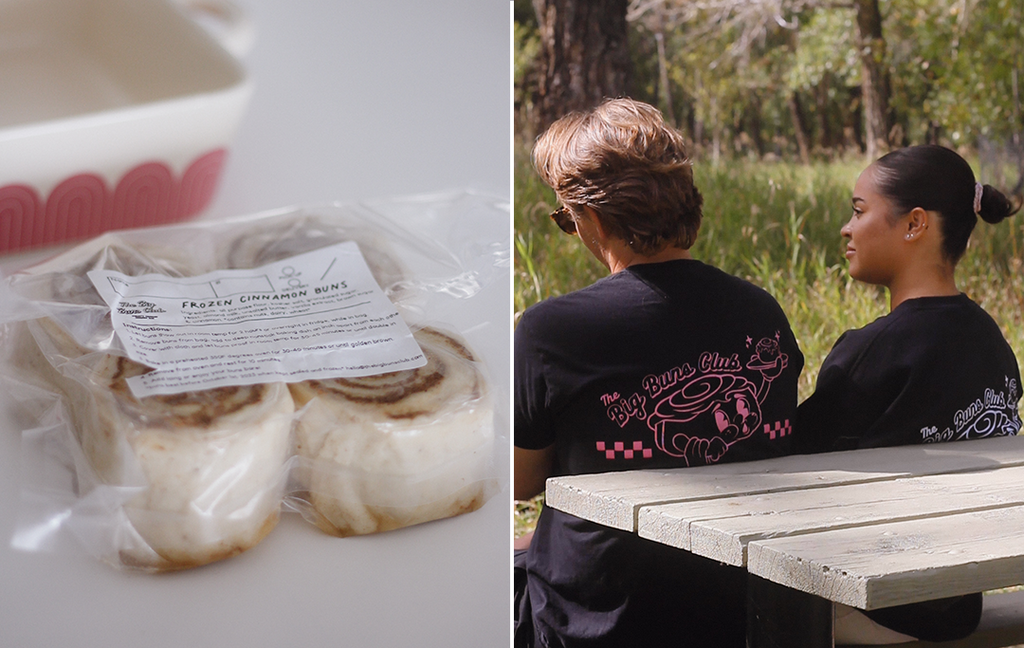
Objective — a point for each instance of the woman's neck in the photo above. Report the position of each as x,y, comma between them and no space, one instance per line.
936,281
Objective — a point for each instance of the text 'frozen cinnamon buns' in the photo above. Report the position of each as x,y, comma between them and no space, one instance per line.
392,450
207,466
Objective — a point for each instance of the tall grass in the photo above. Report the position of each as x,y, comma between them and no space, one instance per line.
777,225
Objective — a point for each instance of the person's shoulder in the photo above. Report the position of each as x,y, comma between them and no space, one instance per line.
872,344
556,312
899,333
953,312
739,283
732,287
976,311
979,324
865,336
596,293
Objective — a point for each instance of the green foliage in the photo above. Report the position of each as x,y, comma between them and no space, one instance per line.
527,44
826,48
526,514
952,64
548,262
523,13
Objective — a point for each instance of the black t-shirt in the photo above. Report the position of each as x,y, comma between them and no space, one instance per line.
661,365
934,369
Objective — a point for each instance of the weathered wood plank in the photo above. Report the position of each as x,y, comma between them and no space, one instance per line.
614,499
721,528
890,564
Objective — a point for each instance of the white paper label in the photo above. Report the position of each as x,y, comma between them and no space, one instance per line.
314,316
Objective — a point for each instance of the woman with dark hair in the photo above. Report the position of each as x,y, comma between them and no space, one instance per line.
937,367
666,363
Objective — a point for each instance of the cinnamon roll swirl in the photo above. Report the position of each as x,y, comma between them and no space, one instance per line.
78,319
206,468
396,449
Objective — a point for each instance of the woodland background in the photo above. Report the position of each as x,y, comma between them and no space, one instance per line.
793,79
785,102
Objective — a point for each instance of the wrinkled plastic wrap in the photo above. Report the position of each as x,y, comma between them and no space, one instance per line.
173,481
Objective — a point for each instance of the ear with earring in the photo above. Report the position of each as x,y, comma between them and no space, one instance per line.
918,222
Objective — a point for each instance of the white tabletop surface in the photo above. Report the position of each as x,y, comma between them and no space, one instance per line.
353,100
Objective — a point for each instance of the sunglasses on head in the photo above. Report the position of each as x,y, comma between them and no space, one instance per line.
563,218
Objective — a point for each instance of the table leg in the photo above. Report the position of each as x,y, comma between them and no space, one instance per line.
782,617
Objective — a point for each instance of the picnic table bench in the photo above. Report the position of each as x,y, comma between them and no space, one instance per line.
866,528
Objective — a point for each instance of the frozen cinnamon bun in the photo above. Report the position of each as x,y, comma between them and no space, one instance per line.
396,449
78,320
205,468
300,234
200,474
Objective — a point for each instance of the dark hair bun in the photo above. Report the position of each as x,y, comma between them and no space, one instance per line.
995,206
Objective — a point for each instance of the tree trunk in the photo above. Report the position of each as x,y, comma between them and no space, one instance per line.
799,129
825,138
754,124
666,91
856,120
698,121
584,56
874,77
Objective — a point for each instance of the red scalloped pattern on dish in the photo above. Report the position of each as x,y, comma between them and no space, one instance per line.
83,205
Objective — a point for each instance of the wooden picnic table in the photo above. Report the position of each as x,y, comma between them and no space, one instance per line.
867,528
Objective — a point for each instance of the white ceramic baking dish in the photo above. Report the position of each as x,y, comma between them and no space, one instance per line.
113,114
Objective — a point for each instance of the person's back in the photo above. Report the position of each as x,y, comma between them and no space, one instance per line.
663,365
667,363
936,368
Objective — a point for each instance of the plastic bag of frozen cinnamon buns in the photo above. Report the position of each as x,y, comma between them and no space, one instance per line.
181,388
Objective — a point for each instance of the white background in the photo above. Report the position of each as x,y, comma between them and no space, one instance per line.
353,100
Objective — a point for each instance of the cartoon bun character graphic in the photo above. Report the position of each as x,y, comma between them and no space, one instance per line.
730,400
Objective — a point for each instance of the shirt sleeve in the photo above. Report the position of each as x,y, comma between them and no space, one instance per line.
532,429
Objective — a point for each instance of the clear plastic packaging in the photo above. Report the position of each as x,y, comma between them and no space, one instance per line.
172,481
395,449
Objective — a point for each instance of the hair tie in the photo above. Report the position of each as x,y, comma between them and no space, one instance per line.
978,190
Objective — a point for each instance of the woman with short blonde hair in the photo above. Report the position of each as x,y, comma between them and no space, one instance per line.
665,363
